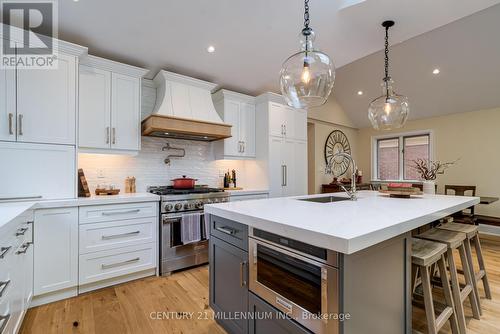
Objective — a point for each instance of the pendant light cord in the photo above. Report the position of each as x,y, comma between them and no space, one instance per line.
306,31
387,78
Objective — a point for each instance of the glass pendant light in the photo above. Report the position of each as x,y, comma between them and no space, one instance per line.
307,77
391,110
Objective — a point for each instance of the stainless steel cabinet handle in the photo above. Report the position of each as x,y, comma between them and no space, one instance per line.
239,147
282,175
21,231
243,143
226,230
122,235
20,124
18,198
11,120
4,251
3,287
107,134
243,280
114,136
4,319
284,127
286,175
118,264
106,213
24,249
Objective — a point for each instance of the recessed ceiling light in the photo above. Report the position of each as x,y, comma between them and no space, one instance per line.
360,92
211,49
76,0
166,133
436,71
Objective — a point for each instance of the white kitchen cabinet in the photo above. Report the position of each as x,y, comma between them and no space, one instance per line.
46,103
237,110
37,170
282,146
125,112
285,121
8,117
15,273
109,106
94,107
56,250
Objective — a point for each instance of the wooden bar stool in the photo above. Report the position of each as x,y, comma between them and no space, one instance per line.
472,234
424,255
455,240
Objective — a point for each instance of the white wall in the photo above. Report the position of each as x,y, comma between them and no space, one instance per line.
473,137
149,168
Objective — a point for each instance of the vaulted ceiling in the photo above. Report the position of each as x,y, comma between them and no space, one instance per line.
253,38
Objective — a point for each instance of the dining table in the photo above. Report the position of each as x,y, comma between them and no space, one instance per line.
487,199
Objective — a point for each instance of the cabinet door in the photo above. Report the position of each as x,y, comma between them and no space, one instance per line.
247,129
289,162
300,168
228,283
300,123
276,167
8,104
125,112
232,145
276,119
46,104
94,108
289,121
56,250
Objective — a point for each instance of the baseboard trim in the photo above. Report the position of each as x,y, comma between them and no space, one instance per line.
54,296
489,229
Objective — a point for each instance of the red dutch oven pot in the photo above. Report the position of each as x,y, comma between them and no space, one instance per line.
183,182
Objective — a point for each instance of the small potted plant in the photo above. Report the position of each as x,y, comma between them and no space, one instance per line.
429,170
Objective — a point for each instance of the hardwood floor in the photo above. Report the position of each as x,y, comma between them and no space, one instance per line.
132,307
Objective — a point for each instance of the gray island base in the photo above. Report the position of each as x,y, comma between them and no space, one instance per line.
274,275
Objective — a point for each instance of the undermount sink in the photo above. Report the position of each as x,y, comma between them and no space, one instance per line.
325,199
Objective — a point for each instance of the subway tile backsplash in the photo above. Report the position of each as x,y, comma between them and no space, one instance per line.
149,168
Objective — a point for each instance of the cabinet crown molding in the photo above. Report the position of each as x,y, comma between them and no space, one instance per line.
224,93
270,97
113,66
17,34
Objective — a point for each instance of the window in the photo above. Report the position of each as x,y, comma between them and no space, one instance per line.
394,155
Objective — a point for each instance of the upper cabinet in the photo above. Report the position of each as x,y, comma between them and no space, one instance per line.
109,106
287,122
237,110
39,105
46,103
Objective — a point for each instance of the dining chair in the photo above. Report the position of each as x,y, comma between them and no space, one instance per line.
466,216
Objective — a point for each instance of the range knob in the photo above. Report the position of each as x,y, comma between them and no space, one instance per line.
178,206
189,206
215,200
169,207
199,204
225,199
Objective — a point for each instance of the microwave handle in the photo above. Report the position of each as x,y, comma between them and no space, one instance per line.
243,271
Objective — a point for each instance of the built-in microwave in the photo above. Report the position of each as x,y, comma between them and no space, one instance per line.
298,279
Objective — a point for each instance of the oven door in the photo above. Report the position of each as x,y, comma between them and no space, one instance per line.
304,289
174,254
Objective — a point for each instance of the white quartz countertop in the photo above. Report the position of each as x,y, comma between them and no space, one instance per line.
11,209
346,226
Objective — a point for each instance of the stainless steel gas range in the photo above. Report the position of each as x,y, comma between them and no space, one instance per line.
181,218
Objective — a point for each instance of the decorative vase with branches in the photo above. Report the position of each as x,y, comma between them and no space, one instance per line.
429,170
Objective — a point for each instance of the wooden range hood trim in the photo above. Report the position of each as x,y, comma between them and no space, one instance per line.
161,123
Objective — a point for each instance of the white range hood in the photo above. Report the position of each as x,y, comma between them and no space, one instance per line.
184,109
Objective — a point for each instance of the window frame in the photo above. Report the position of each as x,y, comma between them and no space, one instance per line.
401,139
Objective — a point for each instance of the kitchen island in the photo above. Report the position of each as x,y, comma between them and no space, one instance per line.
320,263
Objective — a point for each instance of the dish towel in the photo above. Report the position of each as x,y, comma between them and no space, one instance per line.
190,228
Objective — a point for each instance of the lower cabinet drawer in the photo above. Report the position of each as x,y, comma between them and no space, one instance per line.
121,233
110,212
113,263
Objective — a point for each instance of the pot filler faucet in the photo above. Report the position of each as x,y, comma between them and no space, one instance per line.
351,193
